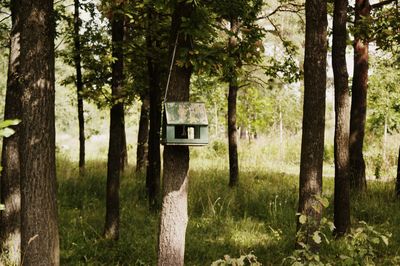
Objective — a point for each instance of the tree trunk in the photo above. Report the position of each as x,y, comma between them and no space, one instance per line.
79,87
359,103
10,158
244,134
232,136
232,98
312,145
124,147
174,215
115,149
154,161
39,227
398,176
342,120
143,135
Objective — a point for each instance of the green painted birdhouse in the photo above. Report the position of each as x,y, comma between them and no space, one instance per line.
185,123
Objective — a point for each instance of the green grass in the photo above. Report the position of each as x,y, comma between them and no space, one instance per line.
258,216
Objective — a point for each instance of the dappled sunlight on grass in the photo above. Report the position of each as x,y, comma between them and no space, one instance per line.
258,216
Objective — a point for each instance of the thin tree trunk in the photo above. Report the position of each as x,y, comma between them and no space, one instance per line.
124,146
281,146
79,87
153,173
312,145
398,176
39,226
115,149
232,136
232,99
10,157
385,131
216,121
143,135
174,216
342,120
243,132
359,103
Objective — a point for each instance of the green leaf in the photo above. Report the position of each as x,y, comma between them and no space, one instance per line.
302,219
317,238
2,207
385,240
6,132
7,123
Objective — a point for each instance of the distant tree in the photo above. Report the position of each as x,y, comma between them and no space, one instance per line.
174,217
10,159
359,100
342,119
143,135
117,132
79,85
39,226
232,99
384,99
312,145
154,68
244,47
398,176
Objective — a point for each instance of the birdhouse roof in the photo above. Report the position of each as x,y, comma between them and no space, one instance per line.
186,113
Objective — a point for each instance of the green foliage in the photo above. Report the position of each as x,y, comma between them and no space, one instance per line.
243,260
362,244
358,247
5,130
384,96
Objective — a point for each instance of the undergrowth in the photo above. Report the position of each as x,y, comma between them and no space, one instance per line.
256,219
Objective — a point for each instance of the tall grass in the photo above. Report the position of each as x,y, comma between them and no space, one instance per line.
258,216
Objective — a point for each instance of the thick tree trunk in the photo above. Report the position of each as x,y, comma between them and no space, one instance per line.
10,158
174,215
342,119
398,176
153,172
232,99
312,145
39,227
79,87
115,149
232,136
359,103
143,135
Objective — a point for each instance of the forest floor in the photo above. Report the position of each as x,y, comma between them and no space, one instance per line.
258,217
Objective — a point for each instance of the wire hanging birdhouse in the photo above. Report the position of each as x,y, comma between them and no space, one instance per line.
185,123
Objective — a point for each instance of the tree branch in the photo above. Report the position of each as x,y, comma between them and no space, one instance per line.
382,4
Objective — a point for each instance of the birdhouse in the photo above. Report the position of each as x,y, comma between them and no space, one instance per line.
185,123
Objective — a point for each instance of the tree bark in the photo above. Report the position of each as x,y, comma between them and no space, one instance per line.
115,150
79,87
143,135
342,120
232,99
312,145
398,176
153,173
39,227
124,146
10,157
358,180
174,215
232,135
